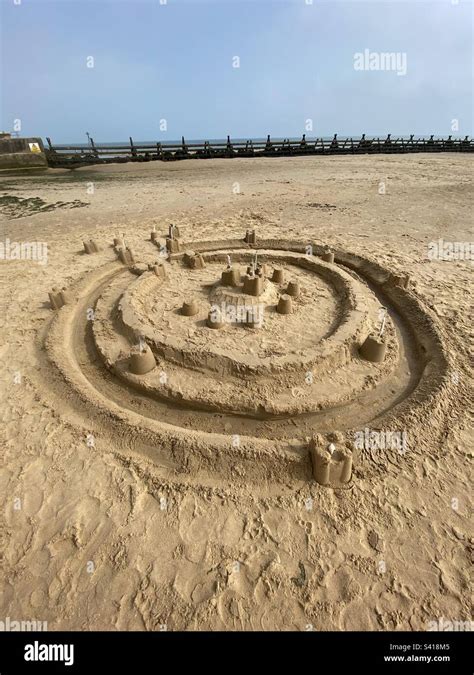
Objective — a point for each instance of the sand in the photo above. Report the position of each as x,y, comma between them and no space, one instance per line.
113,520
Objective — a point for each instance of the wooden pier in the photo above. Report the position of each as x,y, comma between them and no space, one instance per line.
72,156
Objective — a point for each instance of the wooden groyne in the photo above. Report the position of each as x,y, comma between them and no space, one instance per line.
64,155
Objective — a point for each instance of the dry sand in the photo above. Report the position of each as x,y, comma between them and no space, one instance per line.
103,538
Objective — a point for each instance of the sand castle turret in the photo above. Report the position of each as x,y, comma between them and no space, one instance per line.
142,359
278,276
250,237
158,269
174,232
58,298
253,285
373,348
190,307
328,255
194,260
215,319
285,304
331,462
231,276
293,289
54,298
90,246
126,256
172,245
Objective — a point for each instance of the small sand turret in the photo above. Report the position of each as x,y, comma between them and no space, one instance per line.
373,348
126,256
331,462
90,246
328,255
58,298
231,276
190,307
293,289
215,318
141,359
253,285
172,245
54,298
158,269
193,260
285,305
250,237
278,276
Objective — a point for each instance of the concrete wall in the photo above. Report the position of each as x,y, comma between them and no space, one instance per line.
22,153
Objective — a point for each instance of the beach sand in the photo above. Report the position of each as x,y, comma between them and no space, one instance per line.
102,538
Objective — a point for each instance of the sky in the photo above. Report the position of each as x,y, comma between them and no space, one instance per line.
160,69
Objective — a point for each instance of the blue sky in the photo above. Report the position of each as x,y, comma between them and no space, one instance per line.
174,62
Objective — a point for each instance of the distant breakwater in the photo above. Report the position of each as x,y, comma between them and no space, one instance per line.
104,153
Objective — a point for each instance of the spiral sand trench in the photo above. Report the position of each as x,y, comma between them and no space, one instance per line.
269,405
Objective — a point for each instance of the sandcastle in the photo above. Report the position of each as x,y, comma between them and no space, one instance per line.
247,337
141,359
158,269
250,237
293,289
193,260
331,462
278,276
123,252
328,255
90,246
231,276
190,307
126,256
285,304
58,298
172,240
